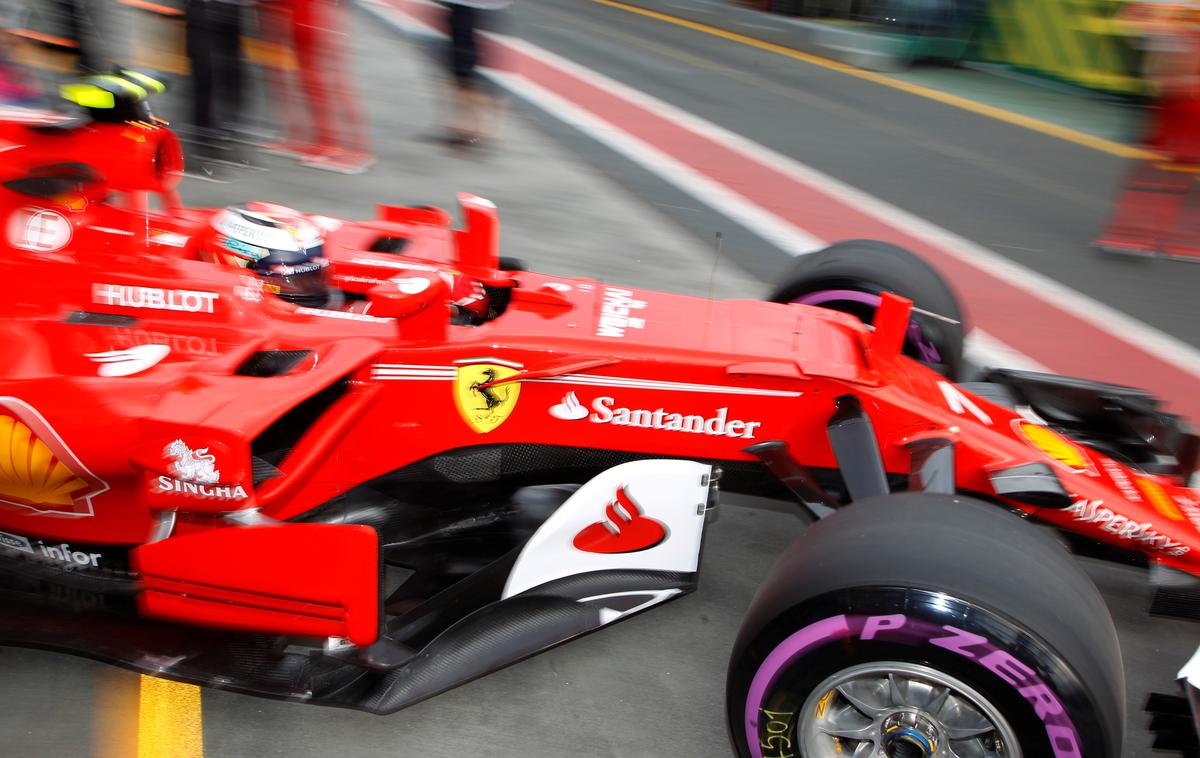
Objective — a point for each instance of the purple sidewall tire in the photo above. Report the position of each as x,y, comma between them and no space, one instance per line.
942,582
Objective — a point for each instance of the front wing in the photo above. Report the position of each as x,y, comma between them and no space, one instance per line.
627,540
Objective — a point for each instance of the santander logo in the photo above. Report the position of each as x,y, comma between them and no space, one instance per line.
570,409
624,530
604,410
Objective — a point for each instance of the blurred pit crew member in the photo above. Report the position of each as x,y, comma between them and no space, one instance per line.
326,103
475,108
16,85
1156,209
213,42
86,23
1173,64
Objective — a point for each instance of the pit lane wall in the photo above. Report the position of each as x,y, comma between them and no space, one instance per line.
1078,42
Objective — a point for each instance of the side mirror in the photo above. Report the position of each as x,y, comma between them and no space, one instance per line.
477,246
418,300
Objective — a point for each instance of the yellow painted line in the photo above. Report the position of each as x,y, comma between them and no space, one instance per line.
58,61
1177,169
169,723
162,10
160,60
114,722
270,54
1028,122
47,39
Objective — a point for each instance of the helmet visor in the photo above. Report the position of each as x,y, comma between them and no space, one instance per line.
296,277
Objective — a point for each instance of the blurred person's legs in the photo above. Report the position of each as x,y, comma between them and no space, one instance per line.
1182,114
474,108
339,134
292,138
214,29
84,23
17,86
1158,207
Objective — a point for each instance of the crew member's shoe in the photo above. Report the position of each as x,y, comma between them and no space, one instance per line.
339,160
290,149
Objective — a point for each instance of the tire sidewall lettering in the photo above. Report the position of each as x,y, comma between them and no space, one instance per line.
1006,669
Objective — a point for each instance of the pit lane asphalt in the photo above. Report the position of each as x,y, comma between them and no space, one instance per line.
649,686
1030,197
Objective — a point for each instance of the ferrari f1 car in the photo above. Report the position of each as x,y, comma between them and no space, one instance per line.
366,507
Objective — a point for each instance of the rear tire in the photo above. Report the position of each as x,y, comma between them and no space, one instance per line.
926,617
870,267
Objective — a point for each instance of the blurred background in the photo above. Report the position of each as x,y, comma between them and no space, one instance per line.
1089,43
1042,154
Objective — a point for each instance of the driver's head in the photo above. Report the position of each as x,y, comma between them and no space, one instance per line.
284,248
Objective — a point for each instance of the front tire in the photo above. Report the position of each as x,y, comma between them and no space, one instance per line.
926,625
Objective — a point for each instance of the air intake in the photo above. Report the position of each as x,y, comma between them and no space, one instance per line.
270,448
99,319
271,362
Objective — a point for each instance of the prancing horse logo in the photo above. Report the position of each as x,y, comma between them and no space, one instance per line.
482,404
490,398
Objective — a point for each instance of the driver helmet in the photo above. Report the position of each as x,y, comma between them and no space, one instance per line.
282,246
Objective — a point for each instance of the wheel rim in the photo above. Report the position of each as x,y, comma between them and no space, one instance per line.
901,710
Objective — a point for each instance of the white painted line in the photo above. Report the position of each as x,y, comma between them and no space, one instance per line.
657,384
981,349
1103,317
400,19
783,234
984,350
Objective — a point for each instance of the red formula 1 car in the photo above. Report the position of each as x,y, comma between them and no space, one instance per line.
365,507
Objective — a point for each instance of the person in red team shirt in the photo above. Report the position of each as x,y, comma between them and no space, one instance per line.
1158,210
1175,70
337,138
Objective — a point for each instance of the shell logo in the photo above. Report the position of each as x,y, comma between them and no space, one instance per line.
37,470
1053,444
1159,498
